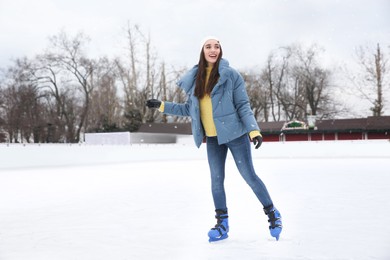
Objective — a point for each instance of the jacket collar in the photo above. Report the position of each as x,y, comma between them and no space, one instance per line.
188,80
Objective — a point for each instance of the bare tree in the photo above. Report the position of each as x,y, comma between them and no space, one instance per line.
274,76
142,75
23,112
70,54
315,83
134,71
48,74
373,81
65,59
258,95
297,84
105,113
163,86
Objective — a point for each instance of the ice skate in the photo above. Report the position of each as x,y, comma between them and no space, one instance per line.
221,229
275,221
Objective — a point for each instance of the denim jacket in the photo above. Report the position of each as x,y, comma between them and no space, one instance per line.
232,113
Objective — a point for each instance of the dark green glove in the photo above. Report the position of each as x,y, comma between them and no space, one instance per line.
153,103
257,141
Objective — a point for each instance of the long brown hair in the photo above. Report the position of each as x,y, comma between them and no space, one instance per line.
200,88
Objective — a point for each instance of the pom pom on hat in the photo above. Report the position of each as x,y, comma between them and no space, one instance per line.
205,39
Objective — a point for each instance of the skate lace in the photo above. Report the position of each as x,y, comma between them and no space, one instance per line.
220,225
273,220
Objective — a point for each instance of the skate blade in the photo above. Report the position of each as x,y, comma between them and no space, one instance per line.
275,232
215,239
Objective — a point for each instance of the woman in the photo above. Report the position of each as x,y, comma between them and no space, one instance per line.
220,112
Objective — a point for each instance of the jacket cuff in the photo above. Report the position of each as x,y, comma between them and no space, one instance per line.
162,106
255,133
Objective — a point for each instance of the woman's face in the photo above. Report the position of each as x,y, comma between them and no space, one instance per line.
211,50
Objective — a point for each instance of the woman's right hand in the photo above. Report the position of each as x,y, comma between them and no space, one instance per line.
153,103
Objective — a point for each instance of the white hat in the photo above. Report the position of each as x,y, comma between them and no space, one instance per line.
205,39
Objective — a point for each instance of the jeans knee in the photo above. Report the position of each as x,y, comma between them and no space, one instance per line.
218,187
252,180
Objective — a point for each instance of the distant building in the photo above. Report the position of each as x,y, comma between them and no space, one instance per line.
321,130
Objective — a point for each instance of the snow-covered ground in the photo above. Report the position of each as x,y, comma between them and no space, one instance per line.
80,202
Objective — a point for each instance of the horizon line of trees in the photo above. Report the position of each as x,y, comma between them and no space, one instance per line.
61,93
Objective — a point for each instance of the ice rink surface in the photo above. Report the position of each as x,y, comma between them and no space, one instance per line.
80,202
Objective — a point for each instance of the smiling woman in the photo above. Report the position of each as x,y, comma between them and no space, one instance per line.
218,105
212,49
210,55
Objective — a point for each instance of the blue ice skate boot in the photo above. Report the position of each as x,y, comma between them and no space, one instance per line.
221,229
275,221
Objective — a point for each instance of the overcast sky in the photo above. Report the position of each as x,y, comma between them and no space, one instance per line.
248,29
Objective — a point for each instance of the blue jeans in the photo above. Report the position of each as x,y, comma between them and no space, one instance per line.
241,151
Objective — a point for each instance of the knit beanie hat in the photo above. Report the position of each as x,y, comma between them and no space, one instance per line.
205,39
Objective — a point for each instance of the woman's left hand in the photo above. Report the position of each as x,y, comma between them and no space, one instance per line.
257,141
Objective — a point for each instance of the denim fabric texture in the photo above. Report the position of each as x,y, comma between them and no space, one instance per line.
232,113
241,151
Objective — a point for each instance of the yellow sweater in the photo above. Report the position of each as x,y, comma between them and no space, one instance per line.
206,112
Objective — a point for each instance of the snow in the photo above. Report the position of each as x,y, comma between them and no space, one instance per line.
154,202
